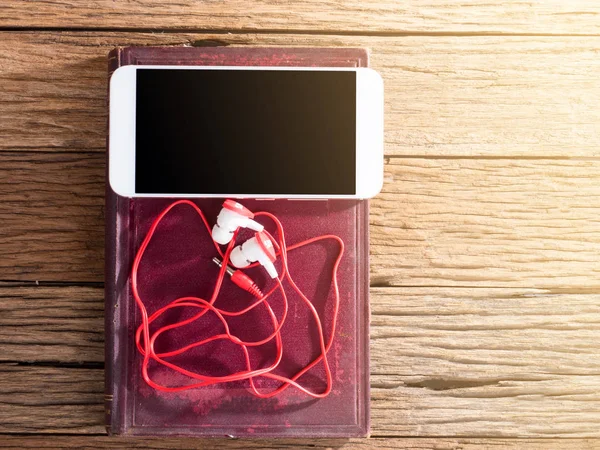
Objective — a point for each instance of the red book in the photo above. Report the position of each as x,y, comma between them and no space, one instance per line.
178,263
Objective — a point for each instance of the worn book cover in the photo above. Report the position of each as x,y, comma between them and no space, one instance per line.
178,262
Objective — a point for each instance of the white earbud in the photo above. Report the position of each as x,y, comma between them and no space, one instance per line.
259,248
233,216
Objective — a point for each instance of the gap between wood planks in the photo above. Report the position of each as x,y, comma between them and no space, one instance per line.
280,31
55,364
98,440
37,150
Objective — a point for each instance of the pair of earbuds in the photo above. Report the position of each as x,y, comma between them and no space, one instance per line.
259,248
262,248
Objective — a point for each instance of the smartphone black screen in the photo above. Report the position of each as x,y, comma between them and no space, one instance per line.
245,132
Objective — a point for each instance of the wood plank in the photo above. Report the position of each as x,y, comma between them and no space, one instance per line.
438,222
52,216
51,324
51,400
440,339
485,362
487,223
445,16
98,442
444,362
451,96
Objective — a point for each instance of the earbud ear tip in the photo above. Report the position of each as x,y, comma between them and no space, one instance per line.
238,259
221,236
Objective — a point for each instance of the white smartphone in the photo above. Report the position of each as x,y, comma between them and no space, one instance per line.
246,132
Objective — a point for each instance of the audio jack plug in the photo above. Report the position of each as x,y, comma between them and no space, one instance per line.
241,279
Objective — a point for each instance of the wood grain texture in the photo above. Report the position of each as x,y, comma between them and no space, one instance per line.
445,16
444,362
487,223
487,318
51,400
485,362
437,223
52,216
445,96
96,442
47,324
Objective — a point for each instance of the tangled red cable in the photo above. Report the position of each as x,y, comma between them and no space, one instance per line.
204,306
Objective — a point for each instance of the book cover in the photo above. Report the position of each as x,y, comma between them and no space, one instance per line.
179,263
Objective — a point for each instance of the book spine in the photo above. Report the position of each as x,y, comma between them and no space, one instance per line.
109,279
365,317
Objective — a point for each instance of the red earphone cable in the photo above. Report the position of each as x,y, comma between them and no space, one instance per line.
205,306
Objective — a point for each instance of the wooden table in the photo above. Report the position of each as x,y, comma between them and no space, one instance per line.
485,241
